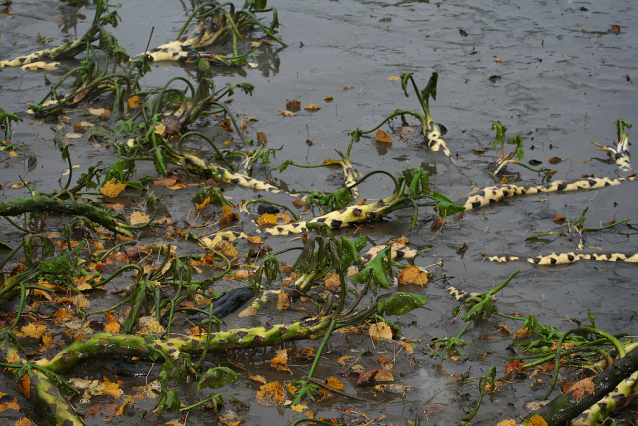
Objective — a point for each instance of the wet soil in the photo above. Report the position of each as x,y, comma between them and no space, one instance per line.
551,71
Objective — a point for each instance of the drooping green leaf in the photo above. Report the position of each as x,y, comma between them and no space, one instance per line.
400,303
430,89
217,377
378,270
518,141
499,140
444,206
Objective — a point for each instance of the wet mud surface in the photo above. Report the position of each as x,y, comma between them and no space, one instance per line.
561,80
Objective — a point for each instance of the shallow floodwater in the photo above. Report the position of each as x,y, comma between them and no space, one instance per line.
550,71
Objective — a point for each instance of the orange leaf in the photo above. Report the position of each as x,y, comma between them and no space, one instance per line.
270,394
382,136
261,136
255,240
24,384
537,420
413,275
522,333
228,215
334,383
112,327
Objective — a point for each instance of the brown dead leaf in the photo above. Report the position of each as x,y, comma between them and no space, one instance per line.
554,160
293,104
268,219
261,136
283,301
382,136
413,275
334,383
228,215
112,189
579,388
505,328
227,249
165,182
504,180
24,384
463,248
522,333
280,361
255,240
615,29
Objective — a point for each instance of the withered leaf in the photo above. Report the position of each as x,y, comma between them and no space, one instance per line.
579,388
382,136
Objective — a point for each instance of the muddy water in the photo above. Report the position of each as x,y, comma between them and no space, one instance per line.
550,71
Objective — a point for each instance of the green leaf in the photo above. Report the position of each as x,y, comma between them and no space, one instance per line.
377,270
500,136
120,170
444,206
518,141
400,303
217,377
430,89
405,78
314,70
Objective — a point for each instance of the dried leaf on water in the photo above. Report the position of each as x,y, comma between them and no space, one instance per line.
270,394
413,275
380,330
382,136
139,218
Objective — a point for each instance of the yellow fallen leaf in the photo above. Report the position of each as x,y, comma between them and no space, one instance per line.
299,408
112,189
286,113
160,129
176,186
14,154
255,43
228,215
138,218
334,383
31,330
134,102
313,107
394,78
382,136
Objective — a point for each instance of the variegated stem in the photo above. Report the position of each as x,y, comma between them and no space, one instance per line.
600,410
103,344
493,194
38,388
